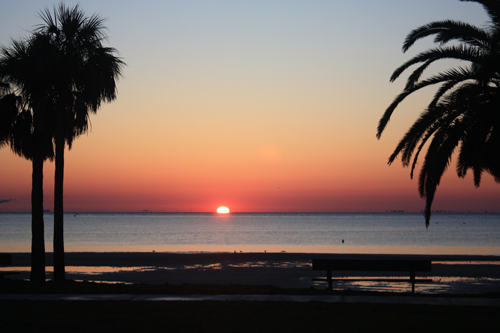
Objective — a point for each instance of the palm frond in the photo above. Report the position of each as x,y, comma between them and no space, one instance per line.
446,31
415,76
446,87
451,75
436,162
459,52
407,145
443,120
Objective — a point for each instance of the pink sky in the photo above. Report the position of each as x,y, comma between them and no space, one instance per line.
254,105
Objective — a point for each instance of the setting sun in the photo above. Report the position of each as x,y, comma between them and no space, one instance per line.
223,210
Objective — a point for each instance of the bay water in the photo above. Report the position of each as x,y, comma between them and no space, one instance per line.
391,233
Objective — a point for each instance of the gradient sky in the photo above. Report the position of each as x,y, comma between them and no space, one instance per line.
262,106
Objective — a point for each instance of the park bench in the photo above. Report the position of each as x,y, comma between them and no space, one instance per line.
375,265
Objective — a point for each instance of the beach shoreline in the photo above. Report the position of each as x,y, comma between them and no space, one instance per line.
450,273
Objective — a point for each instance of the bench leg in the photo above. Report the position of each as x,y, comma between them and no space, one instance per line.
329,278
412,279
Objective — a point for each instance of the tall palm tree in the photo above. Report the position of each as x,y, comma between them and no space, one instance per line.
84,75
24,114
463,112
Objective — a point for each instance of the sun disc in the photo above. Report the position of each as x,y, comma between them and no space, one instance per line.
223,210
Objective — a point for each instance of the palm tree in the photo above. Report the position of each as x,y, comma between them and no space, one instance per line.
84,75
24,111
463,112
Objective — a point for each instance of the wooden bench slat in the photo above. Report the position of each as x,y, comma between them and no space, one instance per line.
372,265
376,280
5,259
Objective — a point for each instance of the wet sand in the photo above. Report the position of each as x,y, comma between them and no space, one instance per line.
450,273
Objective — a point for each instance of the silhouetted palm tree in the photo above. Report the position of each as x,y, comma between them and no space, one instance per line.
84,75
24,113
465,109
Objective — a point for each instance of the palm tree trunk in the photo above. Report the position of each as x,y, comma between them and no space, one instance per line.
37,225
59,265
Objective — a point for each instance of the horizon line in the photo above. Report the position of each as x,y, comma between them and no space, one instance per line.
274,212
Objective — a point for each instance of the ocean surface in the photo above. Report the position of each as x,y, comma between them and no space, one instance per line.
392,233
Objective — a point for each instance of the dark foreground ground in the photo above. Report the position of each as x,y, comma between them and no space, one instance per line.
123,316
289,274
229,316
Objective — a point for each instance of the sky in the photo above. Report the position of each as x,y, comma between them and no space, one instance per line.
260,106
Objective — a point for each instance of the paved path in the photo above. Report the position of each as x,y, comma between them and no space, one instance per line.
447,301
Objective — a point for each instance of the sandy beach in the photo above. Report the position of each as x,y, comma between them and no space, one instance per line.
450,273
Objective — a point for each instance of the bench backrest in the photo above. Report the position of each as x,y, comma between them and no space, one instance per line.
371,265
5,259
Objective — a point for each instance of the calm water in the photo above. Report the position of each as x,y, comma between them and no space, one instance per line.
259,232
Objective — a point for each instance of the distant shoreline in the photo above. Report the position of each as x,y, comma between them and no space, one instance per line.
164,258
282,213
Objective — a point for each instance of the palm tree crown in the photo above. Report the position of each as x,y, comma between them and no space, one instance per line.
23,75
464,111
84,72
